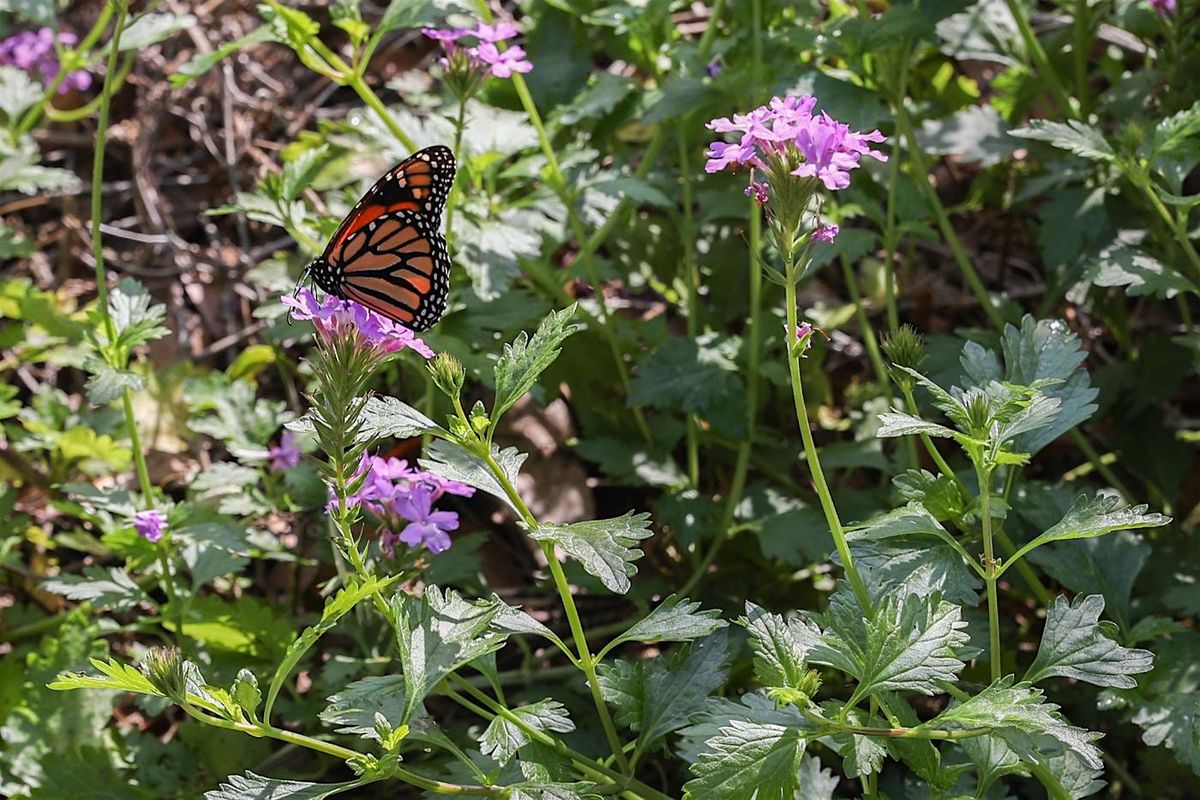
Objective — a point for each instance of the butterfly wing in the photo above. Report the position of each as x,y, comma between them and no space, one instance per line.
396,265
419,183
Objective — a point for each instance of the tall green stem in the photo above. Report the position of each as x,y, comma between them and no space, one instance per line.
110,328
891,230
691,278
365,93
1043,68
459,125
810,448
984,478
586,661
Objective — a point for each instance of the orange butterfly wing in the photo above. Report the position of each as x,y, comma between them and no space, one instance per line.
387,254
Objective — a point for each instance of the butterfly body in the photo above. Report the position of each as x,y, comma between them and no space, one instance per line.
388,254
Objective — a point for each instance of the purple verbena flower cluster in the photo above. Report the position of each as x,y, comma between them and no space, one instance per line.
403,498
1164,8
150,525
484,54
34,52
786,129
332,316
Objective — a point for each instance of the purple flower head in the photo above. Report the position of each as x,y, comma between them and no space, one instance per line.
825,233
425,526
285,455
714,67
402,498
785,132
35,53
503,63
332,317
471,60
150,524
1164,8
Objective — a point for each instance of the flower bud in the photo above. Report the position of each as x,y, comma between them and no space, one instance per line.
448,373
904,348
479,418
163,667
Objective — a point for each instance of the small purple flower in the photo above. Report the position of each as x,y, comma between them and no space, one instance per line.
285,455
332,316
802,338
825,233
1164,8
785,132
425,526
757,190
482,57
35,53
714,67
150,525
402,498
504,64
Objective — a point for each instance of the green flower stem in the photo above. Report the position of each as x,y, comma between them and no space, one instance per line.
920,172
487,708
1081,43
87,109
810,448
367,95
829,726
991,575
587,662
69,64
267,731
1173,222
460,122
1099,465
110,328
1043,68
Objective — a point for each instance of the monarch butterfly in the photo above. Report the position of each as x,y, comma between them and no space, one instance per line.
387,254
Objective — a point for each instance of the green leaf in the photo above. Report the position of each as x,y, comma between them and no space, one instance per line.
110,588
992,758
896,423
514,620
256,787
1176,132
456,463
1090,517
903,565
1139,272
203,62
1047,350
697,375
20,170
659,696
245,692
909,644
605,547
1073,136
352,710
673,620
117,677
525,358
336,607
387,417
502,739
136,319
438,633
639,192
1075,645
746,759
940,495
1173,720
106,384
780,647
150,29
18,93
1020,716
603,94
